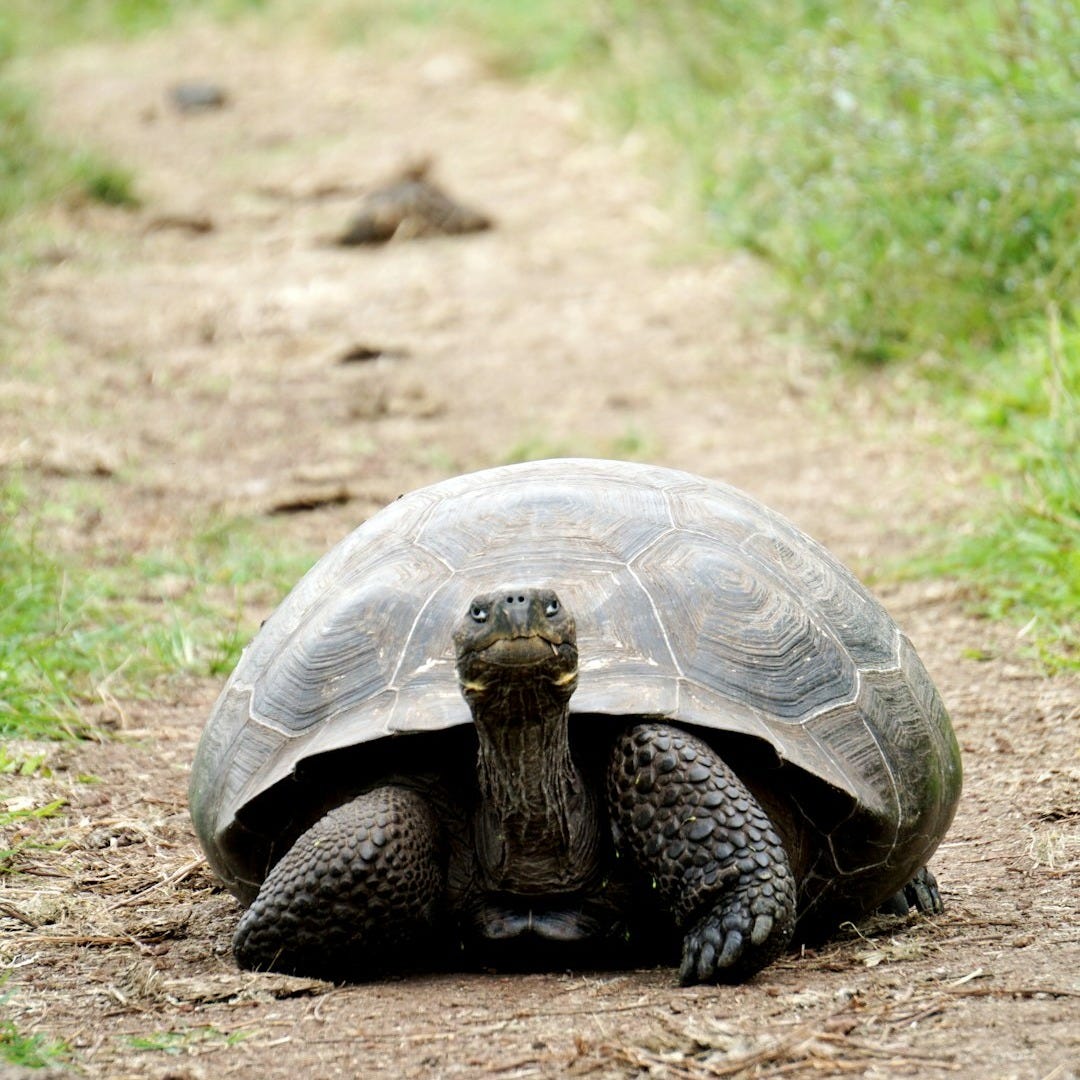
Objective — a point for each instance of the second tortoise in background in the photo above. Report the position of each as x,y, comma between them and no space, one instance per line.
410,205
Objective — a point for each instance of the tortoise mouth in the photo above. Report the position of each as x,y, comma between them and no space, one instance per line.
532,659
519,651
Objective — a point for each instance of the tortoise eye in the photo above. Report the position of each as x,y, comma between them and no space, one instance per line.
479,613
551,607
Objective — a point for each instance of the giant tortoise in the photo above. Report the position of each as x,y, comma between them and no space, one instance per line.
571,712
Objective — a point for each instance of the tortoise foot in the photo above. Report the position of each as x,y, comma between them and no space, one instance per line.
710,849
354,896
920,894
739,937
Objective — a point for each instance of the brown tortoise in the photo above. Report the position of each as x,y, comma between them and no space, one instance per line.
571,712
409,206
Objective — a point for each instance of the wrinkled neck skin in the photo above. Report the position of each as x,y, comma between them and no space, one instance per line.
537,828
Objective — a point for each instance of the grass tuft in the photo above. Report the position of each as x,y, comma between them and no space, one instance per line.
30,1051
35,170
187,1041
209,591
9,856
1021,557
111,185
13,763
50,652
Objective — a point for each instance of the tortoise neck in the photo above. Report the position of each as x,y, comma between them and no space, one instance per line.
537,826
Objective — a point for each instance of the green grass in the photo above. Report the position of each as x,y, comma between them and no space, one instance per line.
228,569
1020,558
71,636
35,170
52,641
14,763
35,25
631,445
919,182
187,1041
9,855
28,1051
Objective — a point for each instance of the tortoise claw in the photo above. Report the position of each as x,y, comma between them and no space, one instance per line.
922,894
730,944
700,953
919,894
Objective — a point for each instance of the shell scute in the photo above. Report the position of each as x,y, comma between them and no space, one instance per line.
348,647
741,631
478,527
829,590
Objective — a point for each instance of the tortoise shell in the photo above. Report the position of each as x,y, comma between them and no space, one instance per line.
693,602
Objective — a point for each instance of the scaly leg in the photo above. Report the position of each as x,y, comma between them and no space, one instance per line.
694,828
354,895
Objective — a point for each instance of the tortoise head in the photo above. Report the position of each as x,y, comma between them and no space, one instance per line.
516,634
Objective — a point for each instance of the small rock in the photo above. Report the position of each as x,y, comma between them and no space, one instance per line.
357,354
112,836
309,498
197,95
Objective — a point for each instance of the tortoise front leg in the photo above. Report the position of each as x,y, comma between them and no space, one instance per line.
694,828
355,895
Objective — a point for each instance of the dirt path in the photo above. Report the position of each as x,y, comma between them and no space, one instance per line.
186,358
